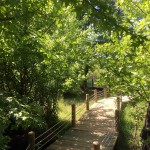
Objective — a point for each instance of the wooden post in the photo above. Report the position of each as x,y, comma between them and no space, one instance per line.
95,95
108,92
31,140
73,115
87,101
92,83
117,119
95,145
105,93
118,103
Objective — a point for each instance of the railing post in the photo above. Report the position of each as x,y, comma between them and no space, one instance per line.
31,140
73,115
118,101
95,145
87,101
95,95
117,119
105,93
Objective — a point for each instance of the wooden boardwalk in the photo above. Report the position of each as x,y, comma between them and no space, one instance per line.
97,124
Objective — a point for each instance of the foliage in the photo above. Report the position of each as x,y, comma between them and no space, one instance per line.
4,124
43,49
131,122
125,59
123,26
15,114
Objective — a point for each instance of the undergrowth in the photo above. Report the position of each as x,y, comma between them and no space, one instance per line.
131,123
64,107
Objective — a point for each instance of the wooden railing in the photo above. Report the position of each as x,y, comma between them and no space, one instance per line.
41,141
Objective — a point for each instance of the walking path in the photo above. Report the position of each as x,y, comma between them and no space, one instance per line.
97,124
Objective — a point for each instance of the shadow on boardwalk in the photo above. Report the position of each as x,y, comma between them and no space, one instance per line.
97,124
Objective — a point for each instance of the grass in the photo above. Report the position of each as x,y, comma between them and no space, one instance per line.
64,107
65,111
131,116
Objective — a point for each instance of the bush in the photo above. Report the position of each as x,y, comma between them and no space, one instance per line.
131,122
4,122
15,115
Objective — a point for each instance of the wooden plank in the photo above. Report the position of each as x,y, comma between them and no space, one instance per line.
83,143
83,138
83,133
58,147
88,129
95,125
72,144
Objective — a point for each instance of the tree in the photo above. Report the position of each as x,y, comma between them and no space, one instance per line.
43,46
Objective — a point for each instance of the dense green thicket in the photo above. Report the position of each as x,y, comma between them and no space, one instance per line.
41,45
132,118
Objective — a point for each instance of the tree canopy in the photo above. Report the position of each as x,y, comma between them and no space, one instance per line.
41,47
